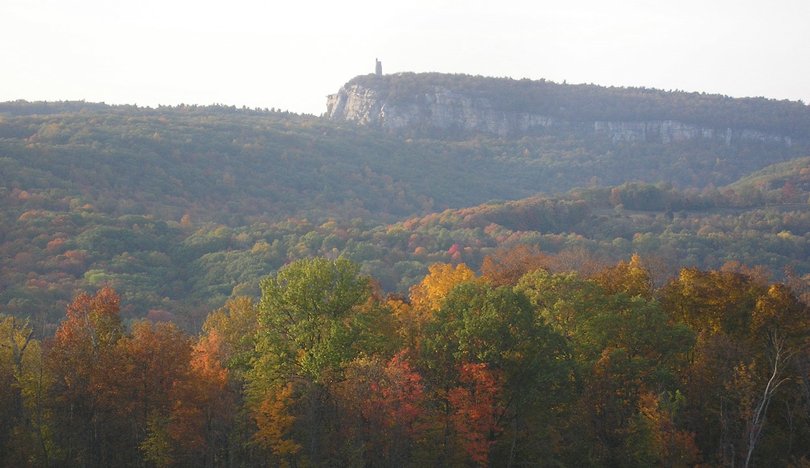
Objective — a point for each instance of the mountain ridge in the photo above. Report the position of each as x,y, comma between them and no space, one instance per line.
430,102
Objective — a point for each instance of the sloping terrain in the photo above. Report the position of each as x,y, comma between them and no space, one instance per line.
179,208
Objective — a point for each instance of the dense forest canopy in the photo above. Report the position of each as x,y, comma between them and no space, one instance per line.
212,286
180,208
524,363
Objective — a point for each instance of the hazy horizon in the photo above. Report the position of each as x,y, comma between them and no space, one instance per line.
290,57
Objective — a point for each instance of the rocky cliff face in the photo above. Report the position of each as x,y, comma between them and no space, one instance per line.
444,109
441,109
668,131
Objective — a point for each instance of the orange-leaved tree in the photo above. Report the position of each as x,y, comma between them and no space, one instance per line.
150,362
81,358
475,410
202,406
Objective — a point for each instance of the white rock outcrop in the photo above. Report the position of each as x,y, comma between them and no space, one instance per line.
443,109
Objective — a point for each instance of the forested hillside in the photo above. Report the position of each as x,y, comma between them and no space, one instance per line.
180,208
212,286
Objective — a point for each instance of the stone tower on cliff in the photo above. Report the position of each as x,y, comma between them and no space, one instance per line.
377,67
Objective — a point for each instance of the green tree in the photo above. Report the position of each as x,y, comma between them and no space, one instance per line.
481,324
623,345
305,319
311,324
26,426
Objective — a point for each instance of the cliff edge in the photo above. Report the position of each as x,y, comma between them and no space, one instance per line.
434,103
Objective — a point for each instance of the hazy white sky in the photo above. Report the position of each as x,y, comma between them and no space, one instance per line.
291,54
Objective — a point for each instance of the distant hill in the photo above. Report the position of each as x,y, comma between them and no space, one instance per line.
791,179
181,207
430,102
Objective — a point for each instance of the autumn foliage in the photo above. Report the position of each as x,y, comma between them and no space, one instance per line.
524,365
475,410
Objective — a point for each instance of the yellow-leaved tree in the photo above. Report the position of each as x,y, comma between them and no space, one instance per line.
428,295
426,298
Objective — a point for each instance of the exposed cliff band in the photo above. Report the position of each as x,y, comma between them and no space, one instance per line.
458,103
